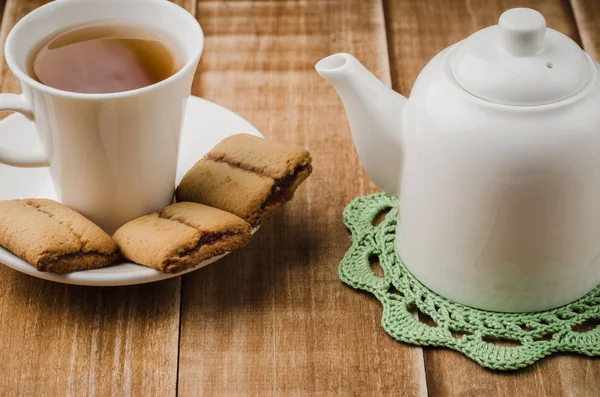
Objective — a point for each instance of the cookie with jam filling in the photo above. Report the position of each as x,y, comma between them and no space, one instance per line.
181,236
53,237
248,176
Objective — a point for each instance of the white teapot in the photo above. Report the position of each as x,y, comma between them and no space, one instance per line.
496,160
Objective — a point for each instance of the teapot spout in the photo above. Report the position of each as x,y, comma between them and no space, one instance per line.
376,116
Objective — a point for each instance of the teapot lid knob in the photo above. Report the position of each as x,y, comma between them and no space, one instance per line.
522,31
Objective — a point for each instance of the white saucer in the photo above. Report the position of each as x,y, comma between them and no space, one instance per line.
205,125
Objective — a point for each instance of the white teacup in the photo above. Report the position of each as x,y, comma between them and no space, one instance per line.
112,157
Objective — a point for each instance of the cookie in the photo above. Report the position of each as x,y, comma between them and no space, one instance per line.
248,176
181,236
54,238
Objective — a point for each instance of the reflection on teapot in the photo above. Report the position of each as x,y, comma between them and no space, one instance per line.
484,156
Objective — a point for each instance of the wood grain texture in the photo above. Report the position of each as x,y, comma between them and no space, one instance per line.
587,16
274,319
58,340
65,340
189,5
417,30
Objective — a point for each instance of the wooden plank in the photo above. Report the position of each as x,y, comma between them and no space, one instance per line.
274,319
587,16
189,5
65,340
416,32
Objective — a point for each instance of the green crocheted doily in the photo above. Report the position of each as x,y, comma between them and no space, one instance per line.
414,314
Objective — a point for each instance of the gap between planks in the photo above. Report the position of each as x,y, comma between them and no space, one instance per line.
391,71
192,7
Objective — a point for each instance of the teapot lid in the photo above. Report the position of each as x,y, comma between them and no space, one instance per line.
520,62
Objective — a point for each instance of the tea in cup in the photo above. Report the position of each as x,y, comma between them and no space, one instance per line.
106,84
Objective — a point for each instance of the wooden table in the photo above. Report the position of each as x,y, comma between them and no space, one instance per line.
274,319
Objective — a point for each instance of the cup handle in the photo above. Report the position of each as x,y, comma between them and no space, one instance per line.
17,103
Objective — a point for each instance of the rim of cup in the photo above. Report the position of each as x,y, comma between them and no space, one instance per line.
21,75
